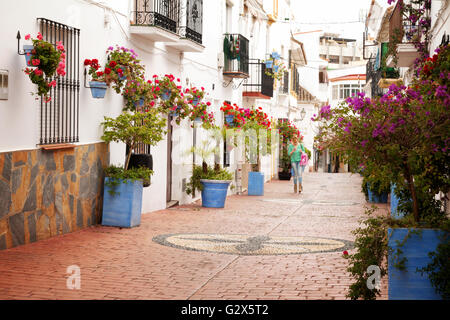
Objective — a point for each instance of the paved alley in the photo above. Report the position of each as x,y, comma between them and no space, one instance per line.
279,246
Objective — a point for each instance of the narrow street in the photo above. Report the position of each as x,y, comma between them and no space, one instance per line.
280,246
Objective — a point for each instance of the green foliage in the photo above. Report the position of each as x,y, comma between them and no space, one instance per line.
211,174
119,175
371,245
134,128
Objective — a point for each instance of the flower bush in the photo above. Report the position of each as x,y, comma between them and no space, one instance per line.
238,115
47,59
403,138
123,62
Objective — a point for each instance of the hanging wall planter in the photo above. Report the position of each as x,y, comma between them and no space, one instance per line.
98,89
229,118
27,48
269,64
195,101
140,103
165,95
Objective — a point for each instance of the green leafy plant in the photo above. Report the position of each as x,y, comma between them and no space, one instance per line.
133,129
205,150
47,60
119,175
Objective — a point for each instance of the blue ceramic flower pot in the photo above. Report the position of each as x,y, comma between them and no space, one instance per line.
98,89
139,103
409,284
123,77
255,184
174,113
229,119
123,209
165,95
198,120
275,55
27,48
269,64
214,193
275,68
195,101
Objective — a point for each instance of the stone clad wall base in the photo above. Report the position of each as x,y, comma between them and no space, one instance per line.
48,193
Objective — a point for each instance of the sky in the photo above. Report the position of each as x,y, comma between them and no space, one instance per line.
337,16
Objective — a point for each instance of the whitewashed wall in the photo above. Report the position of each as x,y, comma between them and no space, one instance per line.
100,28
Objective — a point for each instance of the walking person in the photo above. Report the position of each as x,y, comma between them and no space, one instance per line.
295,151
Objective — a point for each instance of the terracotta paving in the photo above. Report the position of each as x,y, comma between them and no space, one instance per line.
126,264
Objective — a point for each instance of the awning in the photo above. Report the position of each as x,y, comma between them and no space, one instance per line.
297,52
255,9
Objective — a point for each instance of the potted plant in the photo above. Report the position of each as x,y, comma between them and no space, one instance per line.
233,116
405,133
212,182
122,197
125,66
256,146
286,130
47,60
100,78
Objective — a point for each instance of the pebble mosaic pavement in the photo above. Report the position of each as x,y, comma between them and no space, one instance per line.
178,253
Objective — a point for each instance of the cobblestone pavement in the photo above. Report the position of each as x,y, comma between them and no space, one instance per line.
127,264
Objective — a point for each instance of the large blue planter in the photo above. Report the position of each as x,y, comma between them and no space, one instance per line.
377,198
255,184
394,205
214,193
98,89
409,284
27,48
123,209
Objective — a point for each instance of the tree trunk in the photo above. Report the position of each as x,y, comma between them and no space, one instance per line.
205,167
412,189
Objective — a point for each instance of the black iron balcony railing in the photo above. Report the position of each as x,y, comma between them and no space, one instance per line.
235,49
157,13
194,21
259,84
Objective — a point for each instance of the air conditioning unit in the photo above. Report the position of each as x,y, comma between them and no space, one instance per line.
220,60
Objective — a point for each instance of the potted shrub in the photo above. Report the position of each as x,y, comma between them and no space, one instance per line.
257,146
405,133
122,197
212,182
47,60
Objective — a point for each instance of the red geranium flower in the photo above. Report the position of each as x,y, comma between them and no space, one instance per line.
107,70
112,64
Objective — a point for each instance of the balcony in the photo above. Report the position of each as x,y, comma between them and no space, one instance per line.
235,50
156,20
259,85
406,34
178,23
190,27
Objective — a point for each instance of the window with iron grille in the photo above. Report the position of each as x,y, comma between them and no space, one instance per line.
59,118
